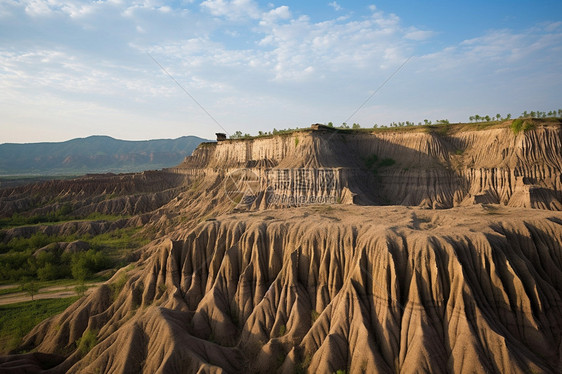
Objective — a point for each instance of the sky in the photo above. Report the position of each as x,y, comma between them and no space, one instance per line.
152,69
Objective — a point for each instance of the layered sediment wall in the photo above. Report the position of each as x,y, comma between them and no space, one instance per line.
425,167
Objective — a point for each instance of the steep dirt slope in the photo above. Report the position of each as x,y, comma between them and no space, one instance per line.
363,289
425,167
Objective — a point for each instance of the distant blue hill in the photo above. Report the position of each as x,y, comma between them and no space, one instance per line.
94,154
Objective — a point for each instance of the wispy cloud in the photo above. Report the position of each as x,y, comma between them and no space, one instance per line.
233,9
335,5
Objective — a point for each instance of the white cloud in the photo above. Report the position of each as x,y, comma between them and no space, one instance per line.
232,9
334,46
73,9
335,5
37,8
279,13
499,49
419,35
552,26
70,75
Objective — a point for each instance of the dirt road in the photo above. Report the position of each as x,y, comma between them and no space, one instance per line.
52,292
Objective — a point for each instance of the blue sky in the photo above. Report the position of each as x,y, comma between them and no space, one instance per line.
78,68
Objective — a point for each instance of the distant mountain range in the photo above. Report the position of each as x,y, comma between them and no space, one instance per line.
94,154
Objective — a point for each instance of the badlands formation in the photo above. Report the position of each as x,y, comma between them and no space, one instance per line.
430,250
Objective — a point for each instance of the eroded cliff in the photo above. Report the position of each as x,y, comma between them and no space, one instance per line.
231,285
363,289
426,167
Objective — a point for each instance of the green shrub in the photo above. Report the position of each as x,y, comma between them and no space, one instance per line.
282,330
371,161
88,341
118,285
517,126
49,272
85,264
386,162
314,315
521,124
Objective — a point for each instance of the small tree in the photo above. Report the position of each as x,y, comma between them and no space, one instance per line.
471,118
508,116
31,288
498,116
356,126
236,135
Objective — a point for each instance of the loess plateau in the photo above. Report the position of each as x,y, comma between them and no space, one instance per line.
434,250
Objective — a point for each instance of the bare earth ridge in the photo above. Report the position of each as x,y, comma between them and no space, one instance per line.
381,280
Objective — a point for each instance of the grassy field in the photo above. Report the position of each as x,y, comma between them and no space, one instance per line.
16,320
10,290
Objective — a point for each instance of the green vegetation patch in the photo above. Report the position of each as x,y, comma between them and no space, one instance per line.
17,320
107,250
61,214
7,291
88,341
373,163
118,285
521,124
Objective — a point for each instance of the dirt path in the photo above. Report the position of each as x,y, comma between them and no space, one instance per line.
51,292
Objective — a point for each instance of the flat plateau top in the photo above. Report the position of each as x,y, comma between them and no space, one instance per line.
458,220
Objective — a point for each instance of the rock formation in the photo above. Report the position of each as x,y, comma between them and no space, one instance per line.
421,167
369,280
